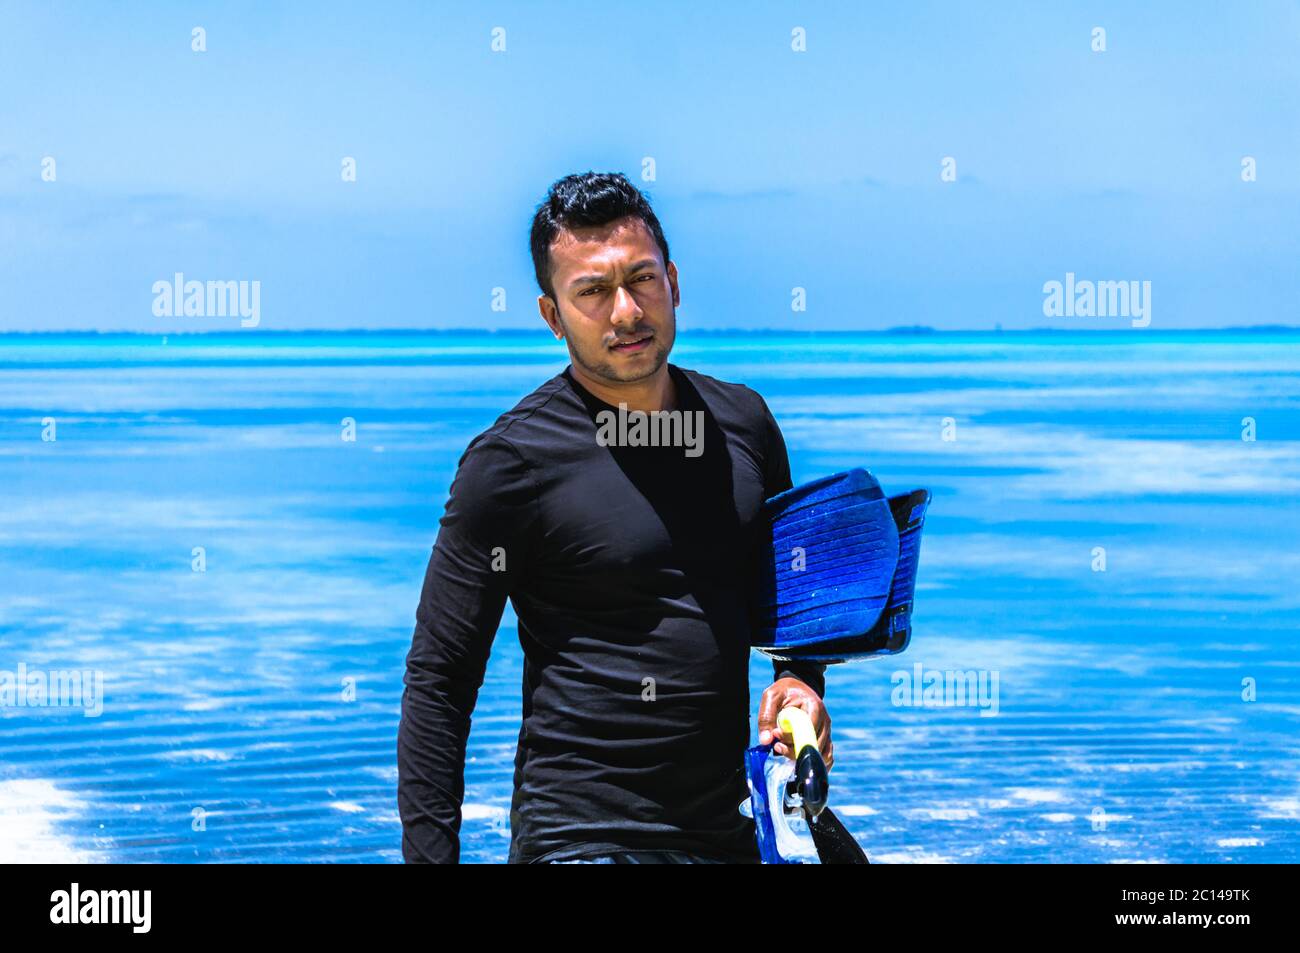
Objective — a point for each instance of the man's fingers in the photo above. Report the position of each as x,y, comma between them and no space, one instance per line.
791,692
768,708
827,751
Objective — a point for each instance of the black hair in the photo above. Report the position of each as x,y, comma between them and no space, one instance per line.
584,200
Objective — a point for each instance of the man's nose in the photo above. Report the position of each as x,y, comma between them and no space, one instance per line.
626,311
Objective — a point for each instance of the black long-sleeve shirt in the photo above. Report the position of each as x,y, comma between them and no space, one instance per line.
630,570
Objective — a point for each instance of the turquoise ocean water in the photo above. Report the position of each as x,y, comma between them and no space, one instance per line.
1147,712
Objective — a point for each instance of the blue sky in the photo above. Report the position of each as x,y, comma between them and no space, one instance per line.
775,169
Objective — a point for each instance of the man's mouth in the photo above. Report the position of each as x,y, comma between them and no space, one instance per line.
633,344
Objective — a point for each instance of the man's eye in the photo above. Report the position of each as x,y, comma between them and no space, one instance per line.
588,291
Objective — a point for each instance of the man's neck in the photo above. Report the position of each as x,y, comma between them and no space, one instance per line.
657,392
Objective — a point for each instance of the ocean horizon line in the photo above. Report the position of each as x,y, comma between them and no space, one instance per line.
900,331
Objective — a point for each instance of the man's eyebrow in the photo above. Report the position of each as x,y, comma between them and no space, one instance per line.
592,279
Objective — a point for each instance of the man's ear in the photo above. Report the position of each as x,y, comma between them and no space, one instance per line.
672,281
546,305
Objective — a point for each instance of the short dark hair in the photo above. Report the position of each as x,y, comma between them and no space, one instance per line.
584,200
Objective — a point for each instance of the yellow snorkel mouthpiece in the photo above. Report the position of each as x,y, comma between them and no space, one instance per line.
811,783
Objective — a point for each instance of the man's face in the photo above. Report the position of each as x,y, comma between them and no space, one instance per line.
615,300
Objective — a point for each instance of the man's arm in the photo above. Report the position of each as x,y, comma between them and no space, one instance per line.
481,548
776,479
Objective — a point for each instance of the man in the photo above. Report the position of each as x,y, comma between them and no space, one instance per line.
629,566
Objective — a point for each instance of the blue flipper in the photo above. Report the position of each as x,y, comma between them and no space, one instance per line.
837,570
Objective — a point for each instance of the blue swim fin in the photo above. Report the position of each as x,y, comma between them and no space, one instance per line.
837,570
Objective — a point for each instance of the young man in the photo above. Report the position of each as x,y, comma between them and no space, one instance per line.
628,559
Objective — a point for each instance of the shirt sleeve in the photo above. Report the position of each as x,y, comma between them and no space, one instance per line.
481,550
776,479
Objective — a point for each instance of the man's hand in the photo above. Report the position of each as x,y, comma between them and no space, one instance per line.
786,693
